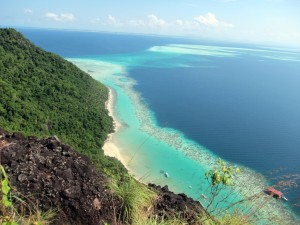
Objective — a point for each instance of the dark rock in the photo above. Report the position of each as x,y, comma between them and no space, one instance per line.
22,177
17,136
170,205
53,175
28,145
65,174
52,145
72,192
32,138
165,188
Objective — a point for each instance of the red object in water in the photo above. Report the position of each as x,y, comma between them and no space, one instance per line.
273,192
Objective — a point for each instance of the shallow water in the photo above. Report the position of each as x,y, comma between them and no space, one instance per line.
184,105
151,150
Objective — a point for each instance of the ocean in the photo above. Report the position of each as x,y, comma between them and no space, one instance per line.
185,103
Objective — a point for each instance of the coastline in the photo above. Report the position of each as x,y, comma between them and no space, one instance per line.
110,148
160,142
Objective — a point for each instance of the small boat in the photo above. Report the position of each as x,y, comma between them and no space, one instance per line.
203,196
167,174
275,193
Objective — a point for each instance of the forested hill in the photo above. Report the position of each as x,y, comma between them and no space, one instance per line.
42,94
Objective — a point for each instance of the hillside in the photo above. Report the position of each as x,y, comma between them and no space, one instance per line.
54,176
44,95
51,175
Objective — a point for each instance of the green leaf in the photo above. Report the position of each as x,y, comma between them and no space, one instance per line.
5,187
3,172
6,201
9,223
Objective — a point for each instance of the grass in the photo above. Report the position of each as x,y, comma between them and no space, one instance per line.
227,218
25,213
234,219
153,220
136,199
15,210
37,217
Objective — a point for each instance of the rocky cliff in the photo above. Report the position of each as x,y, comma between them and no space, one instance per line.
52,175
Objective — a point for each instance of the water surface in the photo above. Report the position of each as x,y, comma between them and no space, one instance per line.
184,104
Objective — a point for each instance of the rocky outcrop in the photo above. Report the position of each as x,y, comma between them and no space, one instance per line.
52,175
171,206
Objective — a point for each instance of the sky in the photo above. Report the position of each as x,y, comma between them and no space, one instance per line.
251,21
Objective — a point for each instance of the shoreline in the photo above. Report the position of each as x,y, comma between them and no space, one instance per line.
109,147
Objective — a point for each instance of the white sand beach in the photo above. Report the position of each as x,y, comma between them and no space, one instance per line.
109,147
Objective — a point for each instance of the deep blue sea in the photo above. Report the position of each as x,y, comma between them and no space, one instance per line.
241,102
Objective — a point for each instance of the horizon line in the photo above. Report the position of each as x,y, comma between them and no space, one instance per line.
195,38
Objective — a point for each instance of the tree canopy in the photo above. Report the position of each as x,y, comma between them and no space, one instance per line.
42,94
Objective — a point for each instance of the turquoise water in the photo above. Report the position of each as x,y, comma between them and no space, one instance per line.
239,102
150,150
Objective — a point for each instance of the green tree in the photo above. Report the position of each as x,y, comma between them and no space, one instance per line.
43,94
219,179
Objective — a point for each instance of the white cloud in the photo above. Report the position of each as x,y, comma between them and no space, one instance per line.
28,11
67,16
185,23
108,21
179,22
137,23
52,16
60,17
208,19
211,20
111,20
154,21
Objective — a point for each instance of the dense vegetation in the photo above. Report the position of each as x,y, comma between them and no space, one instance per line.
42,95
